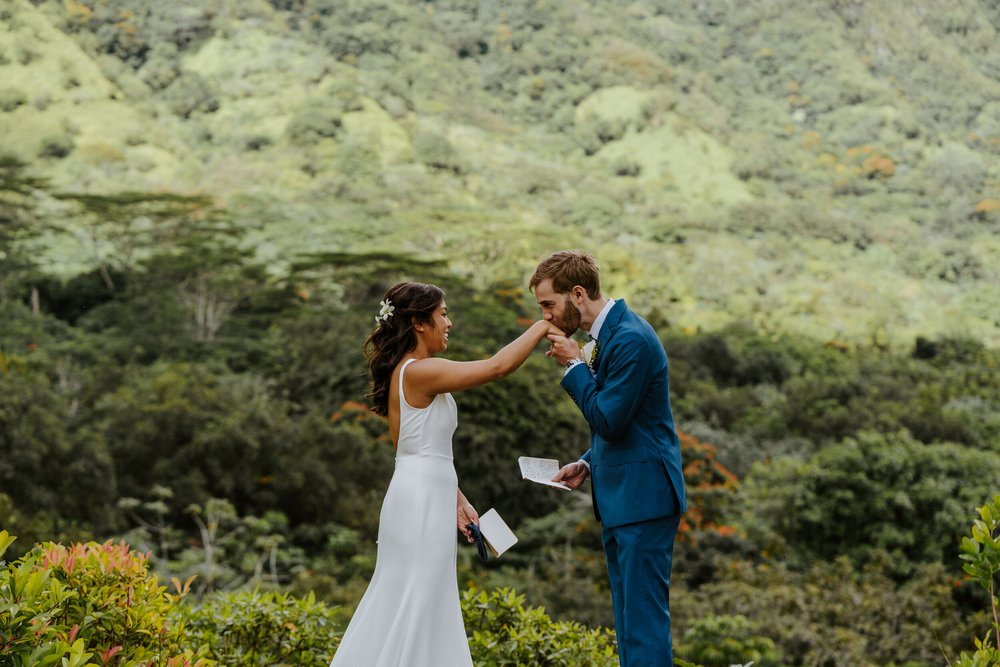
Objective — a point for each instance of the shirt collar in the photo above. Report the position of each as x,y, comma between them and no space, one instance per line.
595,328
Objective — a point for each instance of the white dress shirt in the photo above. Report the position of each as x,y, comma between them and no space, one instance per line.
595,328
595,332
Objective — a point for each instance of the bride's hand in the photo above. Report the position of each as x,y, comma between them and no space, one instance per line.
553,330
466,514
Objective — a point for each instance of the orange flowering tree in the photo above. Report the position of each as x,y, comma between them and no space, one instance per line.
710,488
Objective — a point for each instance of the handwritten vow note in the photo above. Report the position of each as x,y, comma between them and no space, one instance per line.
499,537
540,471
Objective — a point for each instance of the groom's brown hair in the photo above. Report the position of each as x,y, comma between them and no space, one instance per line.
568,268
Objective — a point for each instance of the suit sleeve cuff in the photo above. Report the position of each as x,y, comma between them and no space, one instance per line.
573,363
586,463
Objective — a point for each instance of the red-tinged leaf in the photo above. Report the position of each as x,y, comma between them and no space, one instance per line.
110,653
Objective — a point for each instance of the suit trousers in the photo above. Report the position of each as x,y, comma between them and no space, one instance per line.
640,557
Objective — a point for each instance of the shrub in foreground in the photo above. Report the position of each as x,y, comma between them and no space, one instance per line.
88,604
504,632
727,640
981,553
251,628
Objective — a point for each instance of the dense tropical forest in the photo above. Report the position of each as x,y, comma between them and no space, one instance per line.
202,202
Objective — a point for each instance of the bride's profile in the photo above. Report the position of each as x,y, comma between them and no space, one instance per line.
410,614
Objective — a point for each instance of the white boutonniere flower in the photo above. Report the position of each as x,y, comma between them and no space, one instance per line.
588,353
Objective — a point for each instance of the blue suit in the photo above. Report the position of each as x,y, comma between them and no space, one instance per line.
637,478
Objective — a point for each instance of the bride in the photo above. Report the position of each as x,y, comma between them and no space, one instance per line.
410,615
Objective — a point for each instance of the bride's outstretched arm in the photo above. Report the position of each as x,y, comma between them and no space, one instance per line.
438,376
466,514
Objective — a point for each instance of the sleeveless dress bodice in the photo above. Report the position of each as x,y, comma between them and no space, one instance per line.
410,616
425,431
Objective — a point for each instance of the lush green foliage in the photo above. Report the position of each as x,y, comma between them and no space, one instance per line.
722,641
262,628
825,187
29,600
874,492
92,602
206,200
981,551
503,632
836,613
86,603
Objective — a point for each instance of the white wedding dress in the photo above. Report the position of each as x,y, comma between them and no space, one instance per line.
410,615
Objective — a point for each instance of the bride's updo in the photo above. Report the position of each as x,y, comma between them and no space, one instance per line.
393,336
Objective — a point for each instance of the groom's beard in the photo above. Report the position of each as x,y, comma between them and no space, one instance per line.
570,320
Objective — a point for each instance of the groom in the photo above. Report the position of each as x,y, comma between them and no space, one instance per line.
634,460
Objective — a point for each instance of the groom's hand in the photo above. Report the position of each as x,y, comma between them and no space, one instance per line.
573,474
563,349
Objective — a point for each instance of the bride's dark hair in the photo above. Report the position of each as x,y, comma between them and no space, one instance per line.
393,336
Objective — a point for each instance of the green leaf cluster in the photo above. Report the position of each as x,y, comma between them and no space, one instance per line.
260,628
981,553
504,632
85,605
722,641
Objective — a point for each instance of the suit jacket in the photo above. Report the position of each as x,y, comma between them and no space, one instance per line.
634,455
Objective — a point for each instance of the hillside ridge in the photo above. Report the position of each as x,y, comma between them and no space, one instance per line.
826,168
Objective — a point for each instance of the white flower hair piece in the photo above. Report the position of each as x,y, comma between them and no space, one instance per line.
385,312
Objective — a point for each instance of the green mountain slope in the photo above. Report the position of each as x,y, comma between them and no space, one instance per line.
828,167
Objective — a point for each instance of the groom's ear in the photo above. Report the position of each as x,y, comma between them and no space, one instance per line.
578,292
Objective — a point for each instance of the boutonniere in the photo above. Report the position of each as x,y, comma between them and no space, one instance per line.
590,353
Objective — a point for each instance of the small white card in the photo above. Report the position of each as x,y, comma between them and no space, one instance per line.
540,471
498,536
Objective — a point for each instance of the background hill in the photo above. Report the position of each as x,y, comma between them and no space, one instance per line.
826,168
